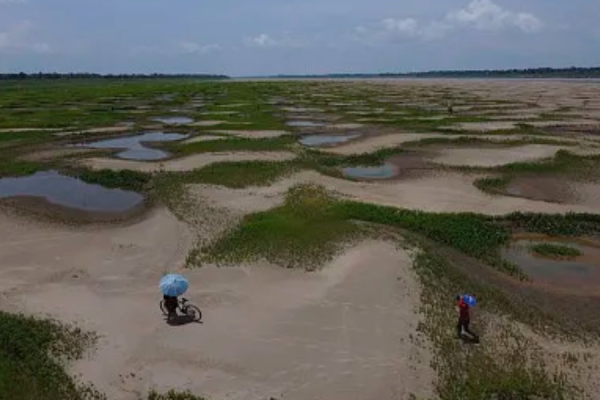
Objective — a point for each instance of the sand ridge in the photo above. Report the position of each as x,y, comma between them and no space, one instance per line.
187,163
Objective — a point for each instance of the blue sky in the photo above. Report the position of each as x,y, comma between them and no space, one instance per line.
258,37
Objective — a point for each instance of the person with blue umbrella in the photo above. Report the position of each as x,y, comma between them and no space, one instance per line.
172,286
465,302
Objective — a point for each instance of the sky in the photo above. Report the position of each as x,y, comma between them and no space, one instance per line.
267,37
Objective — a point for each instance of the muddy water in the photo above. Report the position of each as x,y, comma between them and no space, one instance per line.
135,149
385,171
174,120
582,272
70,192
321,140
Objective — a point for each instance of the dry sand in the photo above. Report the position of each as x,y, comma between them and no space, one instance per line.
207,123
486,157
344,332
371,144
186,163
204,138
443,192
107,129
484,126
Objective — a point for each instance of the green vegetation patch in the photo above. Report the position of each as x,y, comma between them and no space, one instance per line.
234,144
552,250
303,232
16,167
30,354
242,174
124,179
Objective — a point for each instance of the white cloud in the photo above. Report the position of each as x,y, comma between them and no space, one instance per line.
478,14
264,40
487,15
17,39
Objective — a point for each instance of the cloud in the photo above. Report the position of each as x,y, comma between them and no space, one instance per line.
478,14
486,15
264,40
17,39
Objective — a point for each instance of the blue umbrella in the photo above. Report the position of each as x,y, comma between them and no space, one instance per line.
173,285
470,300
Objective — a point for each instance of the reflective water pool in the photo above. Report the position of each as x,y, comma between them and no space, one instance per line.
320,140
70,192
135,149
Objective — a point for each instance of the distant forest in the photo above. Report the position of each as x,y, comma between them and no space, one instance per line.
40,75
572,72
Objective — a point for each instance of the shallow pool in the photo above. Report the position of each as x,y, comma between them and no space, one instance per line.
134,145
70,192
320,140
382,172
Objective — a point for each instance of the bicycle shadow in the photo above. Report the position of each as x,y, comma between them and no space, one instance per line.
180,320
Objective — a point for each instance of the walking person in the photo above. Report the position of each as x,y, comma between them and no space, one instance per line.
464,316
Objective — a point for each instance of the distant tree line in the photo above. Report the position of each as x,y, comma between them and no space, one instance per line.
572,72
57,76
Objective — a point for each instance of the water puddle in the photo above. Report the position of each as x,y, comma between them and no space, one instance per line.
70,192
305,123
385,171
320,140
135,149
573,273
174,120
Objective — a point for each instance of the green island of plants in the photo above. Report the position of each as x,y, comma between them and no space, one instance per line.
553,250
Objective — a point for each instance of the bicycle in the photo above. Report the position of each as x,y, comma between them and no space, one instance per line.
189,310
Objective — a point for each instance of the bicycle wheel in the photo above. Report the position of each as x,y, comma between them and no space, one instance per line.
193,313
163,308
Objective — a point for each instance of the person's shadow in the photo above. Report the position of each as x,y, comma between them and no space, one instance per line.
180,320
469,339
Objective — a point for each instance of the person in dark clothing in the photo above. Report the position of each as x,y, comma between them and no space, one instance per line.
171,303
464,319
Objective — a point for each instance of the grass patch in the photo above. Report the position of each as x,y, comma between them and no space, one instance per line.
242,174
234,144
552,250
124,179
304,232
15,167
31,359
